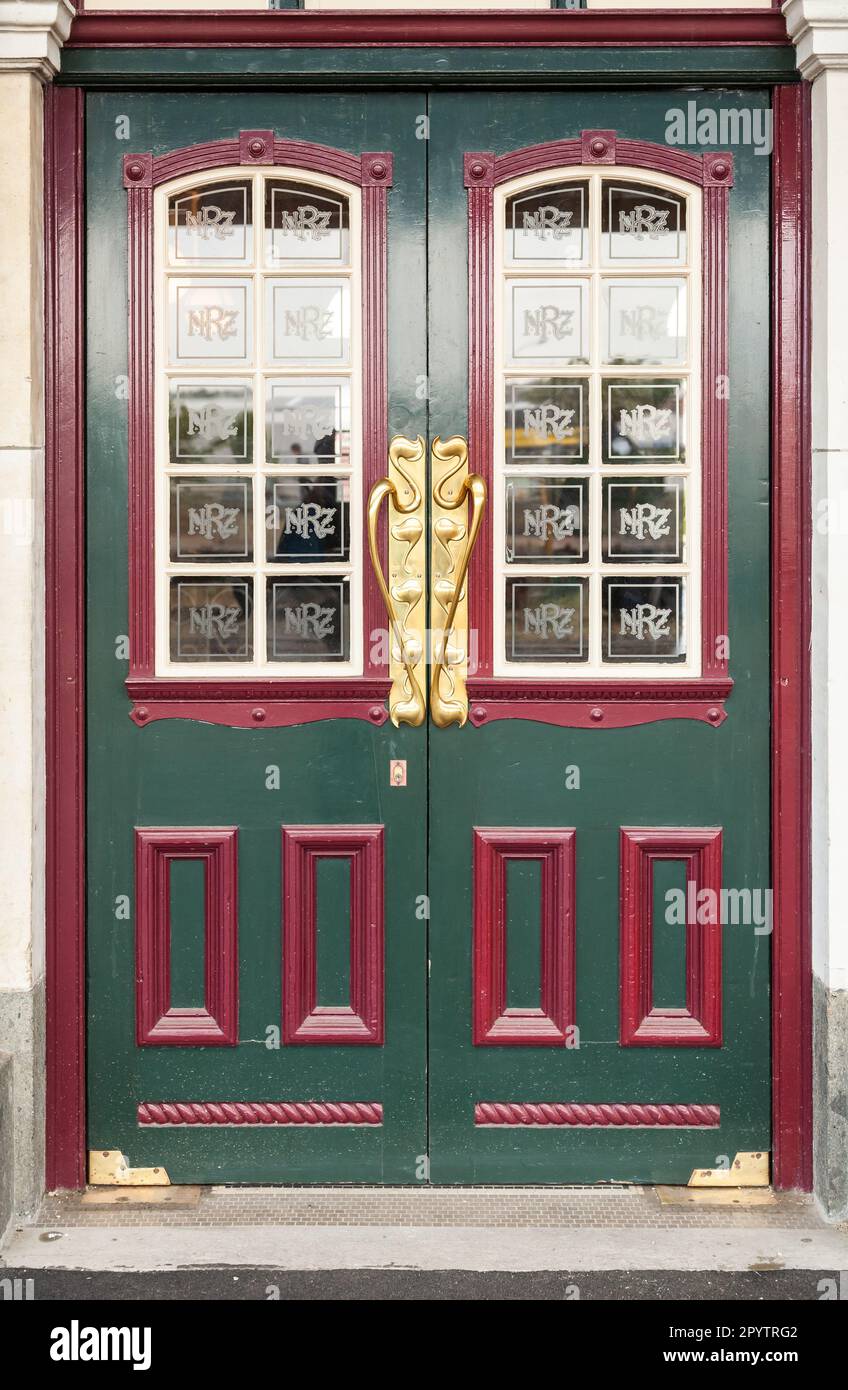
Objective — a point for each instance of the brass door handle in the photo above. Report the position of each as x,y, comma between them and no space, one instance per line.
403,487
452,485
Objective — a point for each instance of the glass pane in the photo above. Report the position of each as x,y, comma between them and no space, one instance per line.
211,519
547,321
547,419
308,321
547,620
644,619
305,224
210,421
211,224
307,421
644,520
211,619
640,223
644,420
210,321
309,619
644,320
307,518
547,519
548,224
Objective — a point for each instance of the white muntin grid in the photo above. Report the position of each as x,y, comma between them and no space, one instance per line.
254,367
595,271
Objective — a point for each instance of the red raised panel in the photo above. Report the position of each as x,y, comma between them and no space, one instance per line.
699,1023
217,1021
494,1022
304,1020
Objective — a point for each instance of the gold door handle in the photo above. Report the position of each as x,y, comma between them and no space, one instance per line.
452,485
404,487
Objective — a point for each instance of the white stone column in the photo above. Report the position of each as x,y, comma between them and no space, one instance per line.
819,29
31,34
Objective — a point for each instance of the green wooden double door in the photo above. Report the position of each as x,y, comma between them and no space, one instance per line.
491,963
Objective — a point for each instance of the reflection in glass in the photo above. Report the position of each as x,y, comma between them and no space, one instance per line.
547,620
546,519
308,321
305,224
210,421
211,519
307,518
211,224
644,619
640,223
211,619
309,619
644,520
644,321
644,420
547,320
307,420
211,321
547,420
548,224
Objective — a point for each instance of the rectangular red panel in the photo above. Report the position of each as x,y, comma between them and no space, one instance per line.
304,1020
494,1022
699,1023
216,1022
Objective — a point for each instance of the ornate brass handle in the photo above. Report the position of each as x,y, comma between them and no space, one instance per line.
452,484
406,574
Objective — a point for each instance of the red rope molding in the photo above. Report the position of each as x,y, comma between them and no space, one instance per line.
255,1112
680,1116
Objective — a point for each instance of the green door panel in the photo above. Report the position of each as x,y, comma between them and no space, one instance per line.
677,773
183,773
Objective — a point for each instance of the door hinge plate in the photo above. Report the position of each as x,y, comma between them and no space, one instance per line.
746,1170
110,1168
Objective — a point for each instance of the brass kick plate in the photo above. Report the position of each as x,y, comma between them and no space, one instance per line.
109,1168
746,1170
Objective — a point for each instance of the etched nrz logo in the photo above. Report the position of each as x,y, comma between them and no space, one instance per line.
645,621
549,620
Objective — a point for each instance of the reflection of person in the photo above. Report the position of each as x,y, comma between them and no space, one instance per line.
303,525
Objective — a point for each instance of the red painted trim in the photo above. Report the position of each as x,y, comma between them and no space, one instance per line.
275,702
65,635
246,704
259,1112
156,1022
304,1020
713,172
617,1115
452,28
699,1023
597,704
545,1023
790,628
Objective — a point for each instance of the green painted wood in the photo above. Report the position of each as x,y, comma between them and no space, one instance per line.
333,931
178,773
669,938
188,948
676,773
523,933
430,67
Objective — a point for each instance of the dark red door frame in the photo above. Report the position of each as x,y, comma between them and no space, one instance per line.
65,642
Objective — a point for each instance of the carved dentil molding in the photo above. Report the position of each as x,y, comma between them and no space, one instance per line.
819,31
32,33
